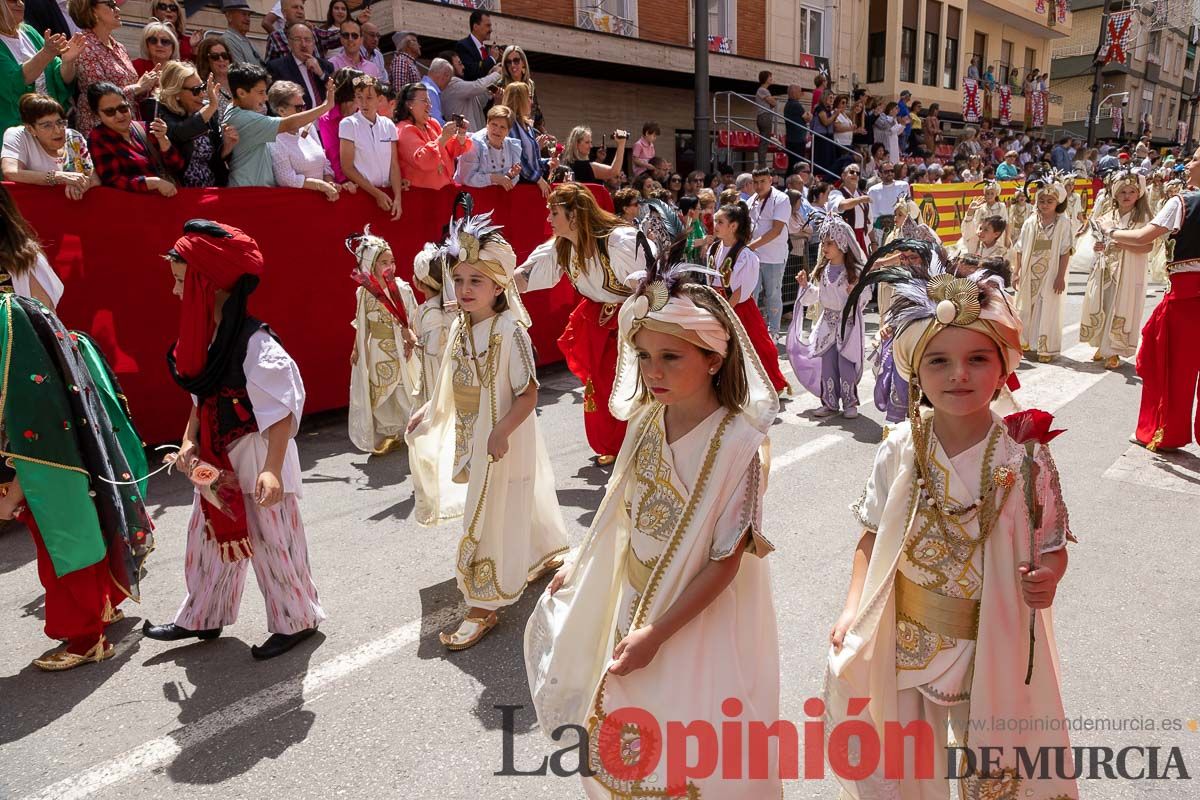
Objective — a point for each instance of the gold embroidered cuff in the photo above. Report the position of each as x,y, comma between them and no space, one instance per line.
956,617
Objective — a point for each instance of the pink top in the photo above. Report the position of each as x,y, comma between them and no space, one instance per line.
424,162
102,62
327,127
370,68
643,151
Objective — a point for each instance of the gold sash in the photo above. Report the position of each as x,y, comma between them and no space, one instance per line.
956,617
466,398
637,572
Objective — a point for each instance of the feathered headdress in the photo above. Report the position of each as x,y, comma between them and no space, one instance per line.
474,240
367,247
1049,180
1126,177
660,303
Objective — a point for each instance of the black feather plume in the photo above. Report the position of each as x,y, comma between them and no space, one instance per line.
872,277
206,227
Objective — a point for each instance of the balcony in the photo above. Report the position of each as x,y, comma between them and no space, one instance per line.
485,5
1025,16
595,18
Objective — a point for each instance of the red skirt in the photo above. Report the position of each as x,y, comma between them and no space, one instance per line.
590,348
75,603
756,328
1169,365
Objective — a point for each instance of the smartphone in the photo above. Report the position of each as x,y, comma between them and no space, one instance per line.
459,120
707,221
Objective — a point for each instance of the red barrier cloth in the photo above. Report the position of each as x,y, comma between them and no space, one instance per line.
107,249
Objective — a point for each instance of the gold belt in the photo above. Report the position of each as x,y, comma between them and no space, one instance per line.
637,572
956,617
466,399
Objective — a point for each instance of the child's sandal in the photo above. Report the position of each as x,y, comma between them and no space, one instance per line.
469,632
550,566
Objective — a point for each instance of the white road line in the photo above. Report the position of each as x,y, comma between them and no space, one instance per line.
1051,386
1172,472
158,753
806,450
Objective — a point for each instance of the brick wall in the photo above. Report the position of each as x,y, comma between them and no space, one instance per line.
664,21
751,28
561,12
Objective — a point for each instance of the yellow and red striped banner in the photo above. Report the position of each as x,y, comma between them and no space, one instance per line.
943,205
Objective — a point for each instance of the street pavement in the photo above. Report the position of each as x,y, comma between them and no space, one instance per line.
373,706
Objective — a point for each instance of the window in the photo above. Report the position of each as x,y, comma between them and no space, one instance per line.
950,61
979,46
908,42
933,27
1152,51
1030,60
1006,62
877,35
718,18
812,26
1171,115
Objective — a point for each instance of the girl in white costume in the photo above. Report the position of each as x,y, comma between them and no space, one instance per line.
1042,253
479,429
384,377
947,621
434,315
989,205
908,225
1111,320
668,606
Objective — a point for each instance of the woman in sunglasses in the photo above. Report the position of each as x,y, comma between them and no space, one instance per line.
44,151
516,70
351,54
30,64
128,154
189,108
212,65
173,14
102,59
159,45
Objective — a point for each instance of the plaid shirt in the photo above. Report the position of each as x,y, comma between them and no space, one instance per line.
126,164
404,70
277,45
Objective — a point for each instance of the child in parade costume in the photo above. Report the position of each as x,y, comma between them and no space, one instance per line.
831,364
735,268
988,241
1116,288
385,376
479,432
74,476
434,315
1042,253
1157,260
1019,209
1074,209
247,401
596,251
981,208
947,621
668,606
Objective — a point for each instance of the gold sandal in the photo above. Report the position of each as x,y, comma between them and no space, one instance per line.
605,460
64,660
389,444
1112,362
111,615
1044,358
1097,356
552,565
469,632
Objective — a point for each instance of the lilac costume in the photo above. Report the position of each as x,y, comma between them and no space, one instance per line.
830,365
891,391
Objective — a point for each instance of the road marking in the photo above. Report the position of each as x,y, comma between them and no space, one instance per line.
806,450
1050,386
159,752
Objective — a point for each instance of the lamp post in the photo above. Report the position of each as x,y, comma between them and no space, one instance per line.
702,139
1094,113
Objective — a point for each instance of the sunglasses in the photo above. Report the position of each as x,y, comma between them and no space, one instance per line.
515,60
348,35
155,41
110,3
51,124
219,56
166,7
195,90
112,111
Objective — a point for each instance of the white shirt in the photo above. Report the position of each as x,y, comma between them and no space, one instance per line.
22,49
275,389
45,275
862,214
1171,218
299,155
775,208
598,283
744,279
884,196
20,144
307,76
374,144
72,28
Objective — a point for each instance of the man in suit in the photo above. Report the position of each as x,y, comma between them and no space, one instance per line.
476,58
302,65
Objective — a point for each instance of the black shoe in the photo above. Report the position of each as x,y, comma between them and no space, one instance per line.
172,632
280,643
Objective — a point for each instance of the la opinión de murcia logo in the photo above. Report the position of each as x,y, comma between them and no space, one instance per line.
633,744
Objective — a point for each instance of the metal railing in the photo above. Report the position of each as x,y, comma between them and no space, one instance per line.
731,123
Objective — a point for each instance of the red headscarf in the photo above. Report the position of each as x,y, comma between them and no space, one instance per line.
214,264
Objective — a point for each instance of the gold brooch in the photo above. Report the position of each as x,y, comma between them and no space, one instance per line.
957,299
1004,477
